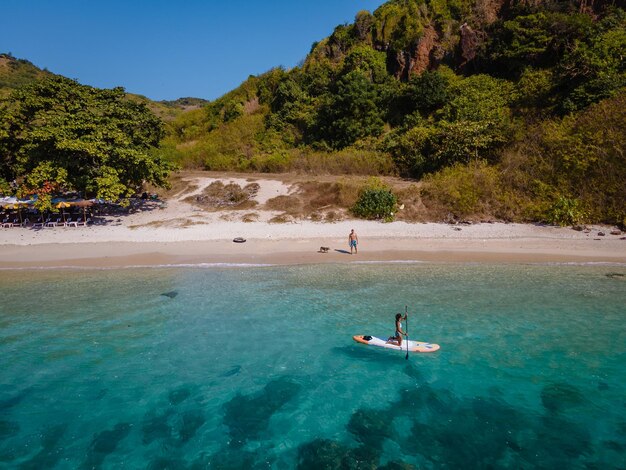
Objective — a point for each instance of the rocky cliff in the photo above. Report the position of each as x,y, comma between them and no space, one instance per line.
419,35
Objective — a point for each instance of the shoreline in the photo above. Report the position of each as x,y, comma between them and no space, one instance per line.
177,232
305,250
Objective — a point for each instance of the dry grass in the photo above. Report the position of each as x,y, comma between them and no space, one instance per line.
291,204
281,219
411,207
334,216
250,217
314,199
176,223
349,161
218,196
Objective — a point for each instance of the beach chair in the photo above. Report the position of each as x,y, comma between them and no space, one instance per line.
41,223
72,223
83,223
6,223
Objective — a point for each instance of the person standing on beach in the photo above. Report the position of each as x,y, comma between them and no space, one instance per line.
353,241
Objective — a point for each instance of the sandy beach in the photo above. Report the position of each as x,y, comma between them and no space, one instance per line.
178,233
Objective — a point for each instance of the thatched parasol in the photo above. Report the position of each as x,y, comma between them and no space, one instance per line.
84,203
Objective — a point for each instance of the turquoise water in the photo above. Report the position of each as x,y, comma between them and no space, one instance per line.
254,367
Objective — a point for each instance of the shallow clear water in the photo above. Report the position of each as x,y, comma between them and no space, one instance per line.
254,367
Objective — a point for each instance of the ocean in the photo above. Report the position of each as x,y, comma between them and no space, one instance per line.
242,366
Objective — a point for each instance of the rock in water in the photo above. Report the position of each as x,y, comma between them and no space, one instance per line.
170,294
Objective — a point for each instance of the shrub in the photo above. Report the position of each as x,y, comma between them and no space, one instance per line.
464,191
376,203
566,211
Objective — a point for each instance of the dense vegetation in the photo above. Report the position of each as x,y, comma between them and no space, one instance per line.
513,112
502,109
57,135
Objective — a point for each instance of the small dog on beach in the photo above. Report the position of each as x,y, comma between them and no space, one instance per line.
324,249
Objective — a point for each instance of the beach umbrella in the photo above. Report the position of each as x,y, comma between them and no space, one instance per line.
84,203
61,205
7,201
18,207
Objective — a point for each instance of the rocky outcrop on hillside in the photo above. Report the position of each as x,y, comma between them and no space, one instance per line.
420,35
417,59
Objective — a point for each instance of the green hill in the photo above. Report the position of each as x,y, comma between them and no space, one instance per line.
454,92
17,72
505,109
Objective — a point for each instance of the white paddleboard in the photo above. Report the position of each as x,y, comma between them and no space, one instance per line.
414,346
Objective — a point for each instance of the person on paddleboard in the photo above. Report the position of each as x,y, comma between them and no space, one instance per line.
397,339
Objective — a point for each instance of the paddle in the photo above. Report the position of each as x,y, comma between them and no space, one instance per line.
406,319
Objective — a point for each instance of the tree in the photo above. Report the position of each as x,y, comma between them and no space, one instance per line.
480,98
56,131
428,92
594,69
351,113
369,61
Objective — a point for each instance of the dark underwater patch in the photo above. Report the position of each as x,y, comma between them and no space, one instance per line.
171,294
8,403
192,420
558,442
8,429
176,397
50,453
370,427
248,416
412,371
227,458
329,454
467,434
104,443
560,396
165,463
615,445
394,465
321,453
233,371
486,432
155,426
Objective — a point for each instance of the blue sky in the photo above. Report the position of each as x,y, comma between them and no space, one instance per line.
169,49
